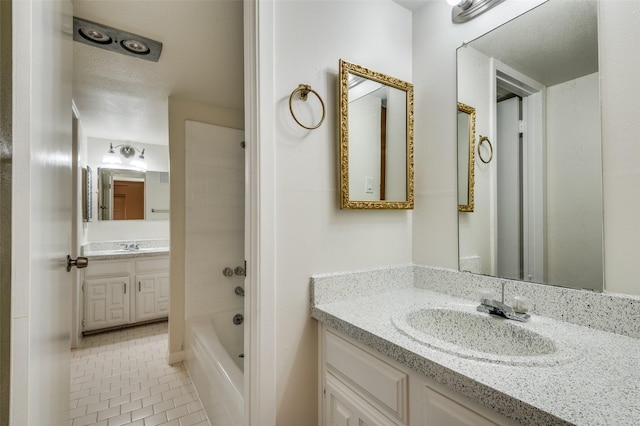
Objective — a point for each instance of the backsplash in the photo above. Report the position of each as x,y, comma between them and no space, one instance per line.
334,287
616,313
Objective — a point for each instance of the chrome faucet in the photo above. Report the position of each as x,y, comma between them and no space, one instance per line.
493,307
130,246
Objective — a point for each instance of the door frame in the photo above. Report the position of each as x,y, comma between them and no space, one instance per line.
533,96
260,194
6,181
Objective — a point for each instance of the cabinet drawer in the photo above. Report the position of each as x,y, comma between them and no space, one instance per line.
102,268
373,378
153,264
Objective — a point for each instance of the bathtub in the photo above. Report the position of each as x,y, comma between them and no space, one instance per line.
214,358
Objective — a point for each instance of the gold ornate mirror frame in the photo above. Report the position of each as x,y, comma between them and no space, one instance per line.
471,112
346,202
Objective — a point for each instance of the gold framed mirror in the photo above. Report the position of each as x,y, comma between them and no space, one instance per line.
466,157
376,140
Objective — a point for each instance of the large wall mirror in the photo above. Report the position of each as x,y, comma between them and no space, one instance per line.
534,83
132,195
376,140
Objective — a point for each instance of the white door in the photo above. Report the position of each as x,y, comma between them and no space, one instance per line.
508,157
41,212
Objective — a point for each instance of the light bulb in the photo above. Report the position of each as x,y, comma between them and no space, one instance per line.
111,157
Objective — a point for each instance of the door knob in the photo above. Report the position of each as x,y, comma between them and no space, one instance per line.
240,271
79,262
227,272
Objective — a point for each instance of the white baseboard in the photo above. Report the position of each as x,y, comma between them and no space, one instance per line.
176,357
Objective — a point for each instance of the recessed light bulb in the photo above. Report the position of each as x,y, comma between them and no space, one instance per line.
94,35
135,46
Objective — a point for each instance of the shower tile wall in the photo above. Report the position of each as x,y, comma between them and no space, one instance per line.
214,217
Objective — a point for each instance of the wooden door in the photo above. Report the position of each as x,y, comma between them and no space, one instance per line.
128,200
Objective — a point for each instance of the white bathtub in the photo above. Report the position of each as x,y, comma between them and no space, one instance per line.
213,358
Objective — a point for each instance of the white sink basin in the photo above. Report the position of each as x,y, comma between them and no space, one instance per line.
480,336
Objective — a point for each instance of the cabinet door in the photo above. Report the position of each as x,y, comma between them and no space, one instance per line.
344,407
441,409
106,302
152,297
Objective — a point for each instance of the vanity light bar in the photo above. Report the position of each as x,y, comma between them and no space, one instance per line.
466,10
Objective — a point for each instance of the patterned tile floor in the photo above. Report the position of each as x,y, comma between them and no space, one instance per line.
122,378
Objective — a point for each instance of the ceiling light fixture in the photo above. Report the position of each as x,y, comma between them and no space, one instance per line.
465,10
128,153
115,40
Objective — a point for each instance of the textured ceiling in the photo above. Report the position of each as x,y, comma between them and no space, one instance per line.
125,98
553,43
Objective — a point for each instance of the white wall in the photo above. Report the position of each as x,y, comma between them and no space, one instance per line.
573,204
157,157
312,234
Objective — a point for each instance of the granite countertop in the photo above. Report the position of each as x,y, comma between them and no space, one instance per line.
126,254
114,250
598,384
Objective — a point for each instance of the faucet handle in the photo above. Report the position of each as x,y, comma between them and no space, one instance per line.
521,304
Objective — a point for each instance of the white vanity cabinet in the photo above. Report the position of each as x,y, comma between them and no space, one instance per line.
125,291
106,302
152,287
363,387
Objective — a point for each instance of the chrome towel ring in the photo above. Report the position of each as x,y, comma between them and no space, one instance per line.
480,143
304,90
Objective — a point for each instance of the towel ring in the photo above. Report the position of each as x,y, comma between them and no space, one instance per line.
304,90
482,140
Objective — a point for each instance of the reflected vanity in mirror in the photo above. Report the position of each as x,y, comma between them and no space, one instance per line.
376,140
466,158
132,195
538,205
